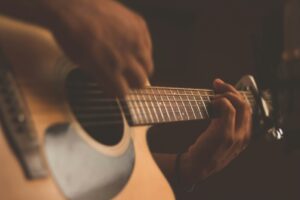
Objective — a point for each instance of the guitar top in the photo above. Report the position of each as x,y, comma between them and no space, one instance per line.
63,138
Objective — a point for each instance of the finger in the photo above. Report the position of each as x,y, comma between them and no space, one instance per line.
220,87
226,113
113,84
243,113
143,55
135,74
243,117
143,48
146,36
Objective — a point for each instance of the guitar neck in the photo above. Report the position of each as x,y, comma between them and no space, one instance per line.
154,105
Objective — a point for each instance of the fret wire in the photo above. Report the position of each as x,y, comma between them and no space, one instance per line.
134,113
144,110
175,118
187,116
164,105
107,115
130,113
153,109
141,103
139,110
178,108
117,108
159,107
151,87
165,120
116,114
197,105
138,99
191,106
150,100
146,91
140,115
126,113
95,84
197,91
111,122
160,117
202,104
113,99
205,108
147,107
153,93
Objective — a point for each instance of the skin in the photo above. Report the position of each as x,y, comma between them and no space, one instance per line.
113,43
225,138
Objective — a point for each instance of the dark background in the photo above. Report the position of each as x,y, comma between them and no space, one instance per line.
196,41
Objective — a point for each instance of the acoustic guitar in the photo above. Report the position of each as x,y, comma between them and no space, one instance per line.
62,138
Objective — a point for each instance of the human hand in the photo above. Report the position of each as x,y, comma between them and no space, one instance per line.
104,38
225,138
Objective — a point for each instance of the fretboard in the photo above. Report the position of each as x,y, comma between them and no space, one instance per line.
153,105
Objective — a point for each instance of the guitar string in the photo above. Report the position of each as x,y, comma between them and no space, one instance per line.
208,94
152,88
145,114
155,89
250,99
95,107
170,103
205,98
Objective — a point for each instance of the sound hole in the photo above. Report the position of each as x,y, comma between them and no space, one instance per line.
99,115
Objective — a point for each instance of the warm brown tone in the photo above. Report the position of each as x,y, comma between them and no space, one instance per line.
31,46
216,36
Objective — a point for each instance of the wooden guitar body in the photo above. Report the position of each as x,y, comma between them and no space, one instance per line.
79,167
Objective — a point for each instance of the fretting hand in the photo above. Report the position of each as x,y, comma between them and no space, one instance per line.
225,138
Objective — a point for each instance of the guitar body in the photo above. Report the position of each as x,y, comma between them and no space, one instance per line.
78,166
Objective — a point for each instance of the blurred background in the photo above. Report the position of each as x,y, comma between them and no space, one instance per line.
196,41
